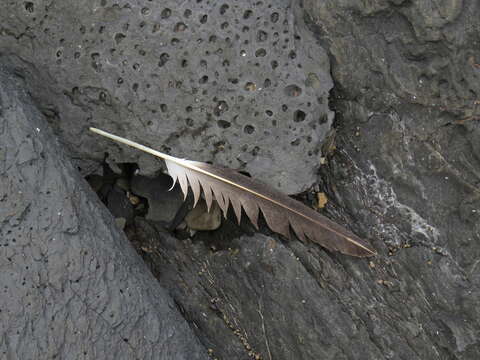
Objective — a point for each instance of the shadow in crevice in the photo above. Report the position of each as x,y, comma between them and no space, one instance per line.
127,199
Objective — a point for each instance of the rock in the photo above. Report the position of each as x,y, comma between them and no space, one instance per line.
123,184
322,200
163,203
199,218
404,164
401,168
206,82
409,160
95,181
121,222
134,200
72,285
119,204
259,296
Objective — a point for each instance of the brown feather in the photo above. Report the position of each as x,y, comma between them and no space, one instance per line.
281,212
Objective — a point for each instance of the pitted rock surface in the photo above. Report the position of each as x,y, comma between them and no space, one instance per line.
242,83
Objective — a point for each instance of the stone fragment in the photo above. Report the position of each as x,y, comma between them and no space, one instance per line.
200,219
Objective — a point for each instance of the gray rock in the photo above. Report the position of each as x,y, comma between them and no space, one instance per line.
121,222
200,219
403,169
244,85
119,204
72,285
406,168
163,203
409,167
280,301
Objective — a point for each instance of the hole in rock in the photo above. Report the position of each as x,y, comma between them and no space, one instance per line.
119,37
295,142
223,9
250,86
292,91
163,59
179,27
223,124
260,53
249,129
299,116
261,36
29,7
165,14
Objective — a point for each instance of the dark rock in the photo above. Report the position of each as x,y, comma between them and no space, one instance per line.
406,81
405,163
119,204
163,203
261,296
402,168
72,286
95,181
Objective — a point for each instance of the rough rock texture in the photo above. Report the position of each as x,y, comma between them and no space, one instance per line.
406,166
241,83
259,296
71,284
409,165
403,168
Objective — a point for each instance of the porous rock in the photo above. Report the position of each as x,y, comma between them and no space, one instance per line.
242,84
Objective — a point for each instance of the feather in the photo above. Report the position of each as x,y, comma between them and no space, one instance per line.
281,212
